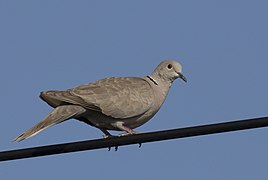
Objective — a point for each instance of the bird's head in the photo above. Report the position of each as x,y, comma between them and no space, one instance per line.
169,70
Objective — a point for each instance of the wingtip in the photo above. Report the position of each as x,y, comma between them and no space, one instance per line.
41,95
19,138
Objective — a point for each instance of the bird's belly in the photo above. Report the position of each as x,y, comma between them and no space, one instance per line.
100,120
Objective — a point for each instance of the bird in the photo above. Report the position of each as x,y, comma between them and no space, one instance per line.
115,103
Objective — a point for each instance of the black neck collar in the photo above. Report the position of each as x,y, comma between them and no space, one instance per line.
152,80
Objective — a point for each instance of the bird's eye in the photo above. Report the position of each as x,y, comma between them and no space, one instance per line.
169,66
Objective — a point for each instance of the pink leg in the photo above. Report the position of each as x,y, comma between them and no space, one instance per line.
124,128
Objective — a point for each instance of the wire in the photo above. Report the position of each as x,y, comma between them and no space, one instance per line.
134,139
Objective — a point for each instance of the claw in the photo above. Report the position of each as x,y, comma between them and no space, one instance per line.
139,145
115,148
107,136
124,134
128,134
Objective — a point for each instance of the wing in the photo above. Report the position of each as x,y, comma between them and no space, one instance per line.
115,97
118,97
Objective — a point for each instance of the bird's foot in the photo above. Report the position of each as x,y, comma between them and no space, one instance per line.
107,136
115,148
128,133
121,135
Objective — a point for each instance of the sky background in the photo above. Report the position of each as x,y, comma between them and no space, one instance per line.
223,46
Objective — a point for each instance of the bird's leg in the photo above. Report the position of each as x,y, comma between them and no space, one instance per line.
126,129
106,133
128,132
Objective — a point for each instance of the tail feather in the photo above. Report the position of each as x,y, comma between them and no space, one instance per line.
58,115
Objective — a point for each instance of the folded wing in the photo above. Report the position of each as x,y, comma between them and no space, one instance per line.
115,97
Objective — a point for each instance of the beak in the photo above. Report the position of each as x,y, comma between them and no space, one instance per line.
182,77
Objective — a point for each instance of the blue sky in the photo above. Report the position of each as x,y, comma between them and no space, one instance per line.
223,46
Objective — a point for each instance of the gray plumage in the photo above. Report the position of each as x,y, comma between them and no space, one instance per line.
117,103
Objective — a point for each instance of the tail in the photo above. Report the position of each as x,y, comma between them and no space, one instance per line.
58,115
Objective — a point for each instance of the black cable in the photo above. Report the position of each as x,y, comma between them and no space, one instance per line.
134,139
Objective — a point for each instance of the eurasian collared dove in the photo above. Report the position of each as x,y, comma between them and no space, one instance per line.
117,103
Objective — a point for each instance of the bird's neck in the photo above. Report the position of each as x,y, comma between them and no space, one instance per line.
162,86
161,81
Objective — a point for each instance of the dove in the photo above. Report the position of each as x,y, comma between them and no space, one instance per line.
115,103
